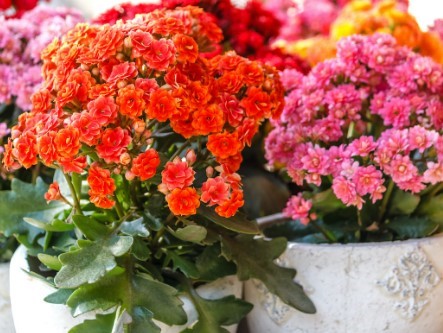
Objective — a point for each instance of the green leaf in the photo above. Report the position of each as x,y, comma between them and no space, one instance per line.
91,261
212,314
140,249
51,262
403,203
255,259
90,227
190,233
135,228
54,226
212,265
412,227
183,264
142,321
130,291
153,222
102,324
61,296
326,202
432,209
238,223
26,200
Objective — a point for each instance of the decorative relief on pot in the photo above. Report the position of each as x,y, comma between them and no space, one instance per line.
410,281
275,308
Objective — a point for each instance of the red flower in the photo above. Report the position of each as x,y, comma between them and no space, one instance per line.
46,148
224,144
121,72
230,207
177,174
88,126
131,102
162,105
103,110
187,48
257,103
76,165
183,201
208,120
26,149
67,142
141,42
160,54
145,165
41,100
113,143
53,193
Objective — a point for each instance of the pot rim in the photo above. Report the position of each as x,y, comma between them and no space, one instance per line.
270,219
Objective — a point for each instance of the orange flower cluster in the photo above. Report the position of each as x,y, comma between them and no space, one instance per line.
112,91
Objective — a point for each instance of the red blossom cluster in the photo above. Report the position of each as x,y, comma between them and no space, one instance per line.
111,92
248,31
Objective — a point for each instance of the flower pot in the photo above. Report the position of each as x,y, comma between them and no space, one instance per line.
6,323
392,287
32,314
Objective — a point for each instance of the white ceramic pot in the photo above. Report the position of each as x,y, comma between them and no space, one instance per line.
6,323
389,287
32,314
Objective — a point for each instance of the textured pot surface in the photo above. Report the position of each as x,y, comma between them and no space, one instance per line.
6,323
32,314
389,287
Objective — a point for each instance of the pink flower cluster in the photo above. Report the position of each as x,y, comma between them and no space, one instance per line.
354,123
21,41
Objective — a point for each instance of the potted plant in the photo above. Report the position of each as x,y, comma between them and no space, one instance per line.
7,247
146,136
361,138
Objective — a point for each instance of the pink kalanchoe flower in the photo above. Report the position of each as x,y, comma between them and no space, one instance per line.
4,130
298,208
315,160
177,174
401,169
362,146
434,173
368,180
421,139
344,189
215,191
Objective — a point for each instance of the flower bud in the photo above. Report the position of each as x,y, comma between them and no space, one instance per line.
127,42
121,84
191,157
129,175
139,126
209,171
125,159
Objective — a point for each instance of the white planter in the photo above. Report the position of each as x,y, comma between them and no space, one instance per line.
6,323
32,314
389,287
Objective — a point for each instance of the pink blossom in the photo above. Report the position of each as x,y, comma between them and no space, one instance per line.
298,208
4,130
362,146
345,190
421,139
396,112
401,169
434,173
315,160
215,191
177,174
414,184
368,180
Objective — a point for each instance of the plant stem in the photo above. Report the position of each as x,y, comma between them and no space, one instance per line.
328,235
385,202
77,206
181,149
119,209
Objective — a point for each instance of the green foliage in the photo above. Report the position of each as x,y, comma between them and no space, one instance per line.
255,259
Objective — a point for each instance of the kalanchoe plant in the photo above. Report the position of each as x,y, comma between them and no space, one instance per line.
361,136
146,137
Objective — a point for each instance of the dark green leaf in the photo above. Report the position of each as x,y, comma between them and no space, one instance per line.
190,233
183,264
91,228
140,249
91,261
255,259
212,265
403,203
26,200
412,227
213,314
135,228
61,296
142,321
326,202
153,222
130,291
238,223
102,324
432,209
51,262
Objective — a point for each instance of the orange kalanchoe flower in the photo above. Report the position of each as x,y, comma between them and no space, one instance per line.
183,201
126,103
53,193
